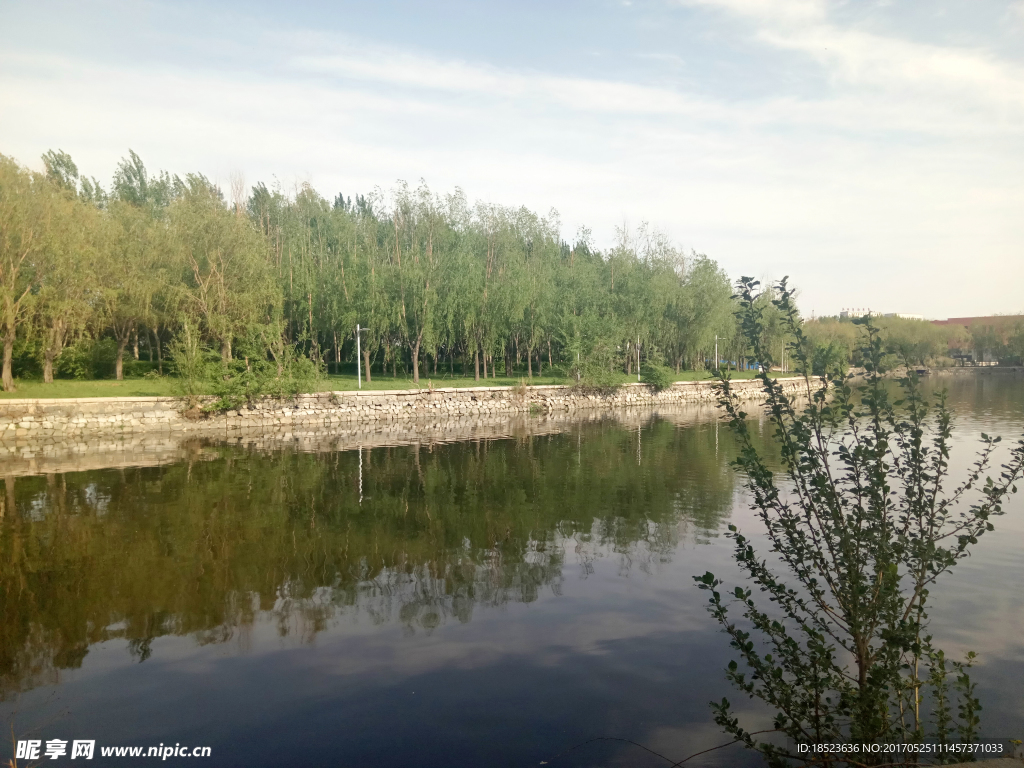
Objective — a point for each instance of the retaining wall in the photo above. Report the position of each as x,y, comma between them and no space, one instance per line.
41,421
148,449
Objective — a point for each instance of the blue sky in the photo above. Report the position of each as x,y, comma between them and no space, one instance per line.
873,151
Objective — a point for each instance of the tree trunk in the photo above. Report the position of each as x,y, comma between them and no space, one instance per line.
529,363
135,343
476,365
225,349
8,375
550,364
416,362
159,352
494,373
366,364
48,355
119,362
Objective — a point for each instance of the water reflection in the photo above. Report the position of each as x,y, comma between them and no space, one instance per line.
201,547
490,594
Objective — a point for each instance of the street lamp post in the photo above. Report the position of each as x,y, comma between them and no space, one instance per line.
359,356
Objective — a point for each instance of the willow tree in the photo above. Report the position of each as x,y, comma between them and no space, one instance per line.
27,202
129,272
65,301
226,279
368,283
540,255
309,247
418,266
698,313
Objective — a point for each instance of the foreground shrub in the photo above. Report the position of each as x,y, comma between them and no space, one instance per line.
860,525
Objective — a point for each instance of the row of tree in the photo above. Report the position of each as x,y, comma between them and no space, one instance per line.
164,262
921,342
1001,340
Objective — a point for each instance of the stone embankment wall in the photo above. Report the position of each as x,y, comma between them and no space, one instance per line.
151,449
38,422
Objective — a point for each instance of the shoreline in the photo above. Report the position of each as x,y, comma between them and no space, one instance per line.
160,448
38,427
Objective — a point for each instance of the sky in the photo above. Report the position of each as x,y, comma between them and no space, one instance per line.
873,151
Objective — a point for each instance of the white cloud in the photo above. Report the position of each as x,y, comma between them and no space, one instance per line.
864,59
1015,12
911,159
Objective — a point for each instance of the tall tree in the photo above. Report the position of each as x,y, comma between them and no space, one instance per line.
27,202
226,278
66,297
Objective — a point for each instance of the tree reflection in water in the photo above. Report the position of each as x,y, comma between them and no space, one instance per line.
205,546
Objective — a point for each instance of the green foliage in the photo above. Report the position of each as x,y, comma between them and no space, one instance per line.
192,362
104,358
915,342
61,169
657,376
88,359
75,362
235,383
907,341
25,359
137,369
1000,340
860,526
431,279
829,359
242,381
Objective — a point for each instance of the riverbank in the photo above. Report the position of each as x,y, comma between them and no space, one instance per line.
977,370
169,386
153,449
31,424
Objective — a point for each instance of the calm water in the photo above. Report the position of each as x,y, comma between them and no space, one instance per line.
492,602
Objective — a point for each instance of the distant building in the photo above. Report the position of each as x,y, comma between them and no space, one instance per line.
1008,322
852,313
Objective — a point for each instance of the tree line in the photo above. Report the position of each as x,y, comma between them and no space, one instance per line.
915,342
165,267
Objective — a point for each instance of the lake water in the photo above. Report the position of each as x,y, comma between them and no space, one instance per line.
487,602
